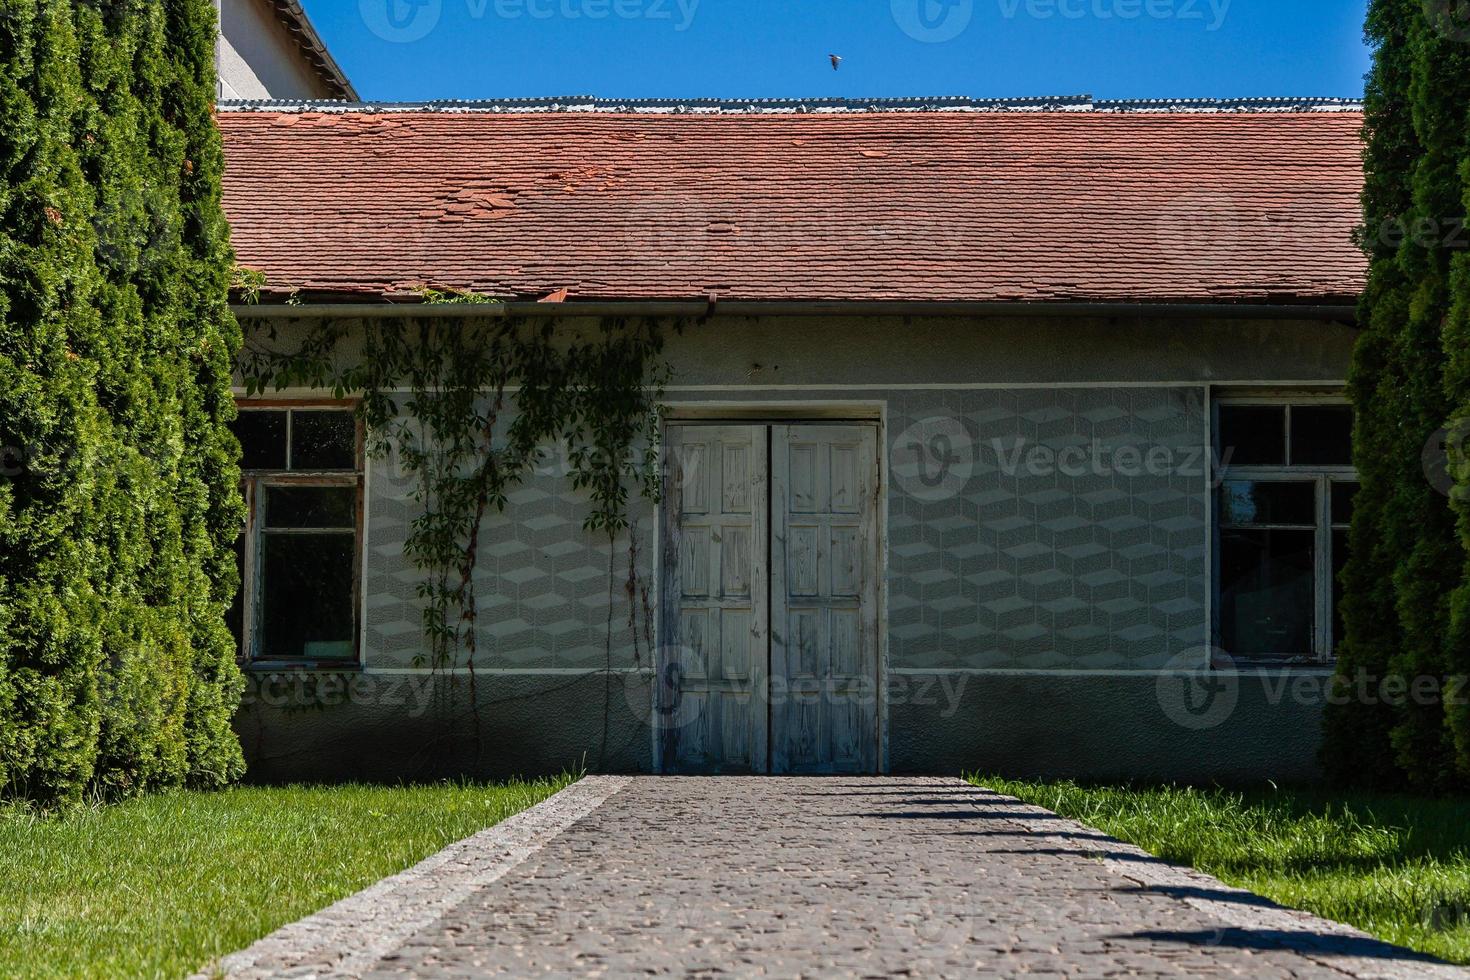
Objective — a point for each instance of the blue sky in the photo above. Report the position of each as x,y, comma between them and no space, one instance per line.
425,49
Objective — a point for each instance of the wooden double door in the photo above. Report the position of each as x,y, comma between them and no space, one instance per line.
770,565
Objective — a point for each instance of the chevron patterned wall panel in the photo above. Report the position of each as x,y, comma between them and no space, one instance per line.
1032,529
1068,530
541,582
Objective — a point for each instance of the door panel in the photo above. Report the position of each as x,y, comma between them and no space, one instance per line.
824,597
769,609
713,618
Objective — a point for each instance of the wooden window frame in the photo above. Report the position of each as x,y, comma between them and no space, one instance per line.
253,481
1323,478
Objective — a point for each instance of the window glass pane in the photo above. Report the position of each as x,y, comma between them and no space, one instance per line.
1266,592
306,596
310,507
262,438
1321,435
1342,502
1339,560
323,441
1254,502
1252,435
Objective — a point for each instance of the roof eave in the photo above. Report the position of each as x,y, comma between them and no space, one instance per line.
294,17
1332,309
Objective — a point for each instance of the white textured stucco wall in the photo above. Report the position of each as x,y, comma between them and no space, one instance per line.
258,59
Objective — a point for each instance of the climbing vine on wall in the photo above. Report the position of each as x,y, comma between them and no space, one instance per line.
470,404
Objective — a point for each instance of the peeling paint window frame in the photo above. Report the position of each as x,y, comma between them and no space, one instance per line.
1325,528
256,484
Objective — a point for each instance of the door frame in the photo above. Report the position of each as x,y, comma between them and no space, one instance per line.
873,413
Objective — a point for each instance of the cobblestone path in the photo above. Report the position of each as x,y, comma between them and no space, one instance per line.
849,876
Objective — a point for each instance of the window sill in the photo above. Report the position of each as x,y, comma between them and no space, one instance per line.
300,666
1283,664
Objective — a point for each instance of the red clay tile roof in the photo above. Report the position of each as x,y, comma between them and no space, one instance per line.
1058,206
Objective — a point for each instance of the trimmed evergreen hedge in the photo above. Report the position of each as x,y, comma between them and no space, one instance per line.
1407,382
118,491
1457,383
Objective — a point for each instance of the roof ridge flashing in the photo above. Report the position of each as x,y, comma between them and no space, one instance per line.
773,106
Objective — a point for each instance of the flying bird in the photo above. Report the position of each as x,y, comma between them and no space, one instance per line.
836,61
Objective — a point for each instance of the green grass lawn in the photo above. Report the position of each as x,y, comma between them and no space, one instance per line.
157,887
1394,866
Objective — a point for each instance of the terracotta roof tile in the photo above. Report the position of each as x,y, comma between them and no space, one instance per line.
1248,206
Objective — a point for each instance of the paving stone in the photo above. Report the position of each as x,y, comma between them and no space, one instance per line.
864,877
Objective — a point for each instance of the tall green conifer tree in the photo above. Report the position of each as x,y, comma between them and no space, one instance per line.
118,500
1431,558
1457,383
1359,745
1407,559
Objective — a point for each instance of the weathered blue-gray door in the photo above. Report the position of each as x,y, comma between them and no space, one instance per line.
769,601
